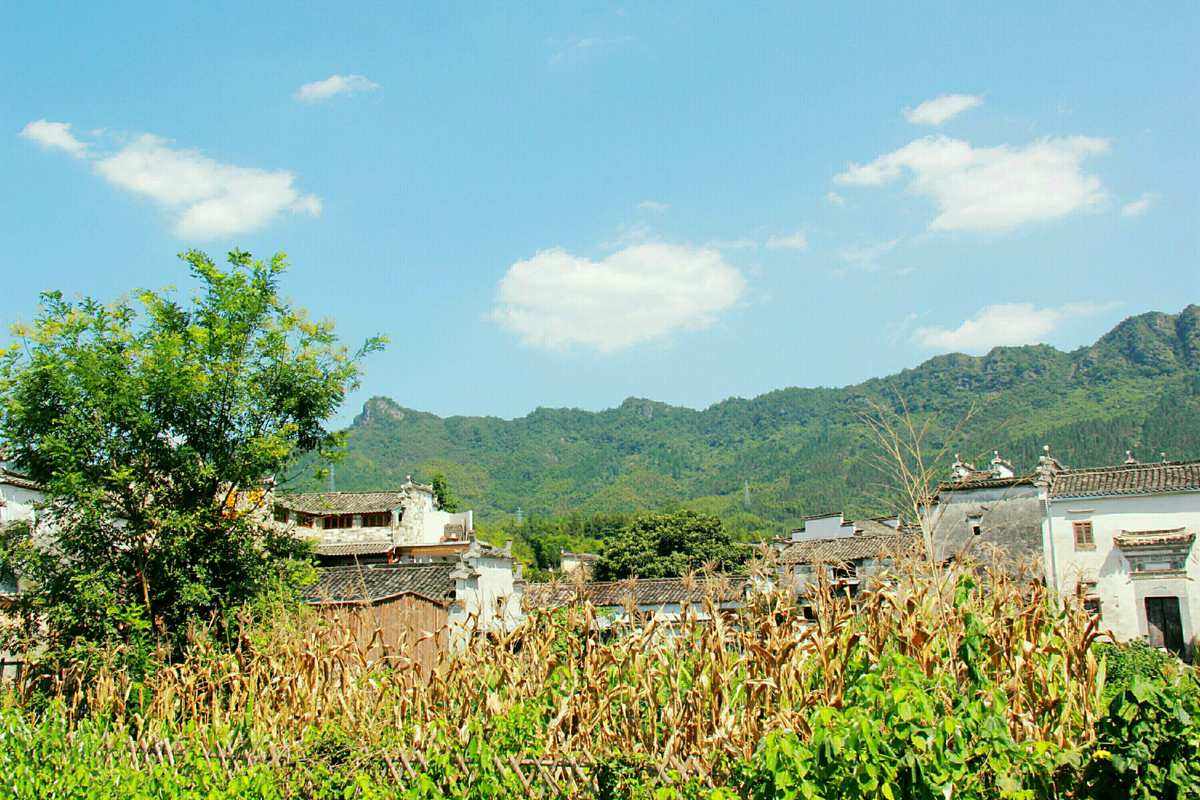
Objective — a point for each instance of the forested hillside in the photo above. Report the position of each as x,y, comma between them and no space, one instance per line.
763,463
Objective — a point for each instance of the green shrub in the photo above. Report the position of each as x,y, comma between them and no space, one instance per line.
1126,661
1148,744
893,737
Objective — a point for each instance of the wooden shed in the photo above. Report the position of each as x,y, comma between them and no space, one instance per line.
398,611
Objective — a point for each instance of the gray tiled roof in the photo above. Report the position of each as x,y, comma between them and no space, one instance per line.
368,548
1167,476
341,502
847,548
375,583
1135,539
641,591
985,480
18,480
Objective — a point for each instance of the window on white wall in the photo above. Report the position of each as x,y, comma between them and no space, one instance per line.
1091,598
1083,535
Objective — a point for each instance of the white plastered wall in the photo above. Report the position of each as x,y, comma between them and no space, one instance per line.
1122,593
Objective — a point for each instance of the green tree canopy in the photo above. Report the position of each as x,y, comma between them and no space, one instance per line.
668,545
446,499
156,427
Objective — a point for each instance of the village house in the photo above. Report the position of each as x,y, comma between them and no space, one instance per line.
570,563
1118,537
849,553
667,600
1122,538
19,499
400,525
394,561
988,513
420,607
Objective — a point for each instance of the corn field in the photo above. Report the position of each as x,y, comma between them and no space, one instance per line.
928,683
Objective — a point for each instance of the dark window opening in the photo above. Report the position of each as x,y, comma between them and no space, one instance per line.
1083,535
381,519
1089,598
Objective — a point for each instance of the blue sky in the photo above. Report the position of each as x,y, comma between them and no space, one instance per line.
567,205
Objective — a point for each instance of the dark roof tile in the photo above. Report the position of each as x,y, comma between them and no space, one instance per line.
985,480
641,591
1167,476
1129,540
341,502
367,548
19,480
847,548
374,583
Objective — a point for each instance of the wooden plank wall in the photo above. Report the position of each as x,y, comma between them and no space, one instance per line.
405,623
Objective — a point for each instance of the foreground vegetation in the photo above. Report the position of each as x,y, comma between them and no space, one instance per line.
933,686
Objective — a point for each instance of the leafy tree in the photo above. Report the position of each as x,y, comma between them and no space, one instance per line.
668,545
155,427
446,500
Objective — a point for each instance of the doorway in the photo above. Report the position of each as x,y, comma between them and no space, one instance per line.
1164,624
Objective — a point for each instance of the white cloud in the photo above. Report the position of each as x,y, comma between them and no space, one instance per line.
318,91
991,188
653,206
1005,324
557,300
868,254
54,135
576,49
1140,206
791,241
744,243
835,199
628,234
207,199
942,109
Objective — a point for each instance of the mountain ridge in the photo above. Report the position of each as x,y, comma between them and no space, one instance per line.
798,449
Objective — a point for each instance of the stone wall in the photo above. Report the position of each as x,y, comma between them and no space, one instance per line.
1008,520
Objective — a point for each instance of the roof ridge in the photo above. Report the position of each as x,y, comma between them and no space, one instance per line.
384,567
620,581
342,491
1128,467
